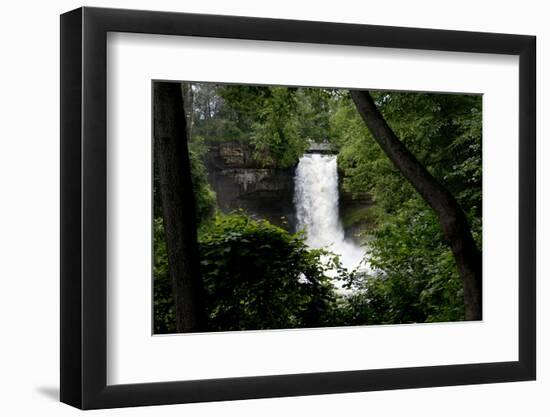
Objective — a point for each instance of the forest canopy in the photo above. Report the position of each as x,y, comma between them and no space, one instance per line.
257,275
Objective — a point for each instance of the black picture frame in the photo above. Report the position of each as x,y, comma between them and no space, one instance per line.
84,207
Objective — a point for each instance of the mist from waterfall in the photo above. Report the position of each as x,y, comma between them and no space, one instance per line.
316,201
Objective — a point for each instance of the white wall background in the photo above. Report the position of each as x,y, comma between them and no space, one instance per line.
29,225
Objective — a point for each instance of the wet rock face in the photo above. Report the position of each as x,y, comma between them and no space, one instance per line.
354,215
241,182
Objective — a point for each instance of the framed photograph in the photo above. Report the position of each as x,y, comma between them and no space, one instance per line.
257,208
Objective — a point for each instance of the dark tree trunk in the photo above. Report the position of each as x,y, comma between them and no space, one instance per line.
451,217
188,103
178,205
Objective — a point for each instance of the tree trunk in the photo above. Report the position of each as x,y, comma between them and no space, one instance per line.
188,103
451,217
178,205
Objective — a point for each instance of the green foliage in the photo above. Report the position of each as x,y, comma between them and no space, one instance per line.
415,277
207,115
164,313
205,203
205,197
444,132
258,276
279,122
276,133
241,106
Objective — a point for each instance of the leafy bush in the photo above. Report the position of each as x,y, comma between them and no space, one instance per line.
415,278
258,276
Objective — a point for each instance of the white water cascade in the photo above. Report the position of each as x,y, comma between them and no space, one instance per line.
316,203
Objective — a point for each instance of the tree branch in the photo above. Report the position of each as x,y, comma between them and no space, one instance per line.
451,217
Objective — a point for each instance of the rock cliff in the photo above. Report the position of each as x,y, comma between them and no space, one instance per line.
241,182
267,192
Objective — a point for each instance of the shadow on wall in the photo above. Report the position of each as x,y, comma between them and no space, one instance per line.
49,392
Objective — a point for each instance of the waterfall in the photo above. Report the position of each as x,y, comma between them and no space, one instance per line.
316,203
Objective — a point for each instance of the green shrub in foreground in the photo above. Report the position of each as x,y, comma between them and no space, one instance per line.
258,276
